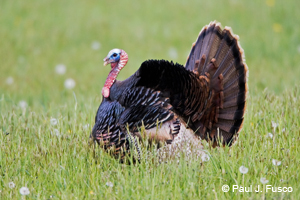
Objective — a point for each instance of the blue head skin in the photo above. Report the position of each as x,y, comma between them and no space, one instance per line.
112,57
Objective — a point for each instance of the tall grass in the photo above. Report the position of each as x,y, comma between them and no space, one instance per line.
54,160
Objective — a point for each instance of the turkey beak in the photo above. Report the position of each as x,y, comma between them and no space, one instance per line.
106,61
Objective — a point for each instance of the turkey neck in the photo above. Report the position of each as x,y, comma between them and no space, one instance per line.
116,68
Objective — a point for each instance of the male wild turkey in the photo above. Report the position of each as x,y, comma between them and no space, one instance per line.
205,99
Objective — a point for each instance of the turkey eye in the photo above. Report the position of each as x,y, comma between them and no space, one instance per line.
114,55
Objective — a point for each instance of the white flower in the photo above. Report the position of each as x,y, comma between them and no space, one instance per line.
70,83
243,169
86,126
173,53
56,132
60,69
205,157
24,191
22,104
53,121
11,185
274,125
270,135
276,162
298,49
95,45
264,180
283,130
109,184
9,80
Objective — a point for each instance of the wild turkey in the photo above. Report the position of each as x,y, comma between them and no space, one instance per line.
206,98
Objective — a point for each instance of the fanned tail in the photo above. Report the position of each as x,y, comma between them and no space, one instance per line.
218,57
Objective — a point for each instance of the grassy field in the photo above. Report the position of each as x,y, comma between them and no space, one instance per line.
44,127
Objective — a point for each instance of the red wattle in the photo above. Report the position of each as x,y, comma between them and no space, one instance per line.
116,68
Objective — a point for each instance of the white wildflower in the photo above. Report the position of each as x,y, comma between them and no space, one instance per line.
9,80
56,132
283,130
205,157
95,45
53,121
60,69
86,126
243,169
274,125
264,180
22,104
223,171
173,53
109,184
11,185
70,83
276,162
270,135
24,191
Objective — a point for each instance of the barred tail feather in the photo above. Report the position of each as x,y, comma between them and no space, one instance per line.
218,56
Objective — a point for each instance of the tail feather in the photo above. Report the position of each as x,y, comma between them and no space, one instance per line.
232,84
211,40
232,113
234,99
209,34
217,55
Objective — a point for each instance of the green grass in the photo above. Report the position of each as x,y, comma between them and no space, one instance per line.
38,35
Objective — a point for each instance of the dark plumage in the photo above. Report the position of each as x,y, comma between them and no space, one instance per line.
208,95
